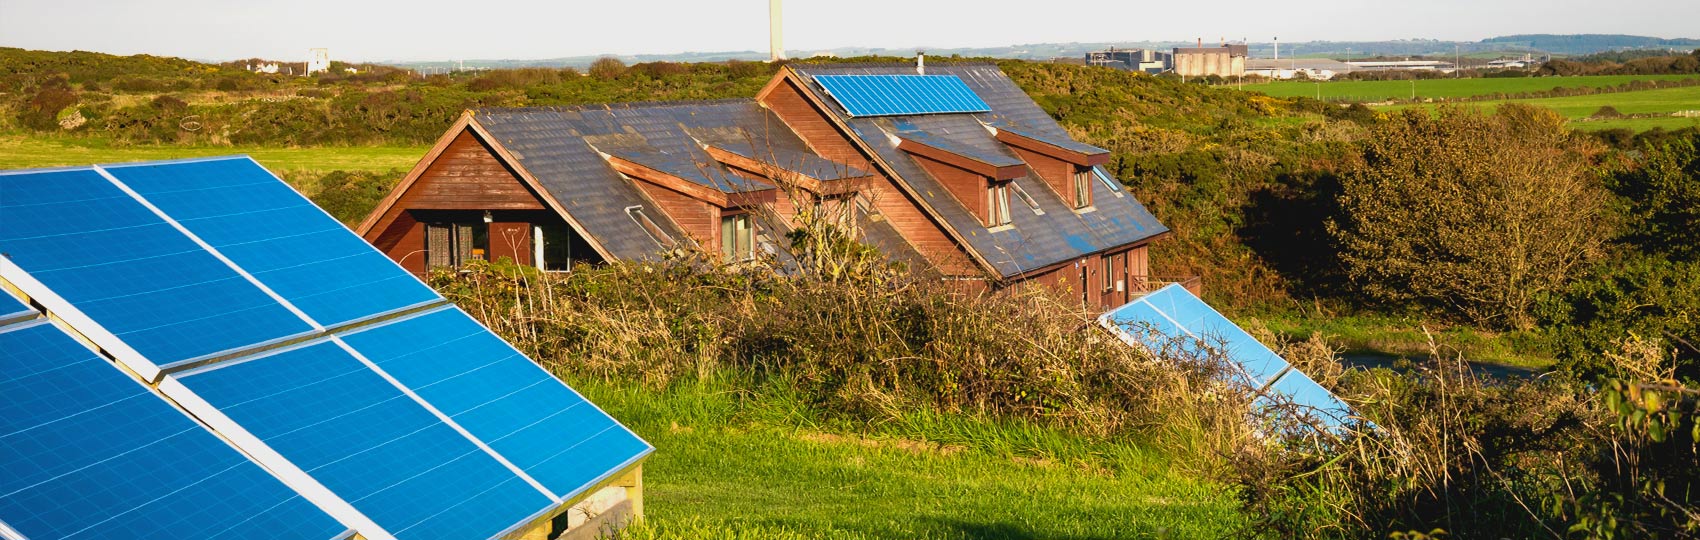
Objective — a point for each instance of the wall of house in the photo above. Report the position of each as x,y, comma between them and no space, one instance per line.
968,187
404,242
1084,278
902,212
511,239
1056,173
698,219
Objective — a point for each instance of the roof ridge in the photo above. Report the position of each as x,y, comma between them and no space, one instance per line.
621,105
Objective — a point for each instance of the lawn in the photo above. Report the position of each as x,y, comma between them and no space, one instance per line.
1440,88
19,151
735,464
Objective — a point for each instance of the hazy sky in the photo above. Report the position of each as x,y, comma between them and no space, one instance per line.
444,30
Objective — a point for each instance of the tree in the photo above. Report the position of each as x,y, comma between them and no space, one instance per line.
607,68
1661,197
1478,213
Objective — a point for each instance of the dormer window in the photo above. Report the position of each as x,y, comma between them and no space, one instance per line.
737,238
1082,187
997,204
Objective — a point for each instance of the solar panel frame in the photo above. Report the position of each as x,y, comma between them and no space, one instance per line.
898,95
87,469
14,309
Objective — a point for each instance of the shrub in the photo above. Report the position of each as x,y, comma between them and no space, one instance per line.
607,68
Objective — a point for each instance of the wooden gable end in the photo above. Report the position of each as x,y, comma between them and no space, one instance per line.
468,176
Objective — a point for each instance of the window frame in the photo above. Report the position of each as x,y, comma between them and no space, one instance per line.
997,205
1082,178
740,245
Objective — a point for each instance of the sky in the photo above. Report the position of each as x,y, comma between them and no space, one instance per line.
357,30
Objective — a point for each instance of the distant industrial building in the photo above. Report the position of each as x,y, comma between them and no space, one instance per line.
1227,60
1312,68
1404,65
318,61
1145,60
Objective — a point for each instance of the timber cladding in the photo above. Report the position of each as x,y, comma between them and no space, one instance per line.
699,219
467,175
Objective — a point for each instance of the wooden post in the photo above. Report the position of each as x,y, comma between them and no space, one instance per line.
633,482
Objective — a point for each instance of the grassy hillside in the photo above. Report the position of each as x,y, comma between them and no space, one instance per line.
1444,88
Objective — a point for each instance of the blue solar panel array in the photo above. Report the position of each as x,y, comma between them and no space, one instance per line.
891,95
309,349
86,452
501,397
127,268
277,235
369,443
1172,318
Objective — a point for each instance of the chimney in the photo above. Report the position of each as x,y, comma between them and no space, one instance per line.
775,32
920,62
1277,48
1200,43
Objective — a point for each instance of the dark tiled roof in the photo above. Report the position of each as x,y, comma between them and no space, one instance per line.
995,156
813,166
1036,241
1059,142
561,147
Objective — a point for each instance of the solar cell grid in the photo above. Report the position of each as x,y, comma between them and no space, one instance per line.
502,398
117,262
885,95
278,236
85,452
12,309
369,443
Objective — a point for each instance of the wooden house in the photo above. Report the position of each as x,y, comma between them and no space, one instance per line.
996,194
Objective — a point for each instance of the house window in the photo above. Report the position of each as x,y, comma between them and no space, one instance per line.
737,238
1115,188
997,204
1022,193
1109,263
1082,187
552,247
455,244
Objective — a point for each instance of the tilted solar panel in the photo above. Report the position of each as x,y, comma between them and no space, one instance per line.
278,236
86,452
890,95
107,255
369,443
503,398
1172,317
12,309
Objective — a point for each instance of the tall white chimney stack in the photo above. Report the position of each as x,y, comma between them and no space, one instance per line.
920,62
775,32
1277,48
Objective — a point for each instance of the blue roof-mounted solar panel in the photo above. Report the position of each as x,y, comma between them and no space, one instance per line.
88,453
894,95
503,398
1172,317
369,443
13,309
111,258
278,236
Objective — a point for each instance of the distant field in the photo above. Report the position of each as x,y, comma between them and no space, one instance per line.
21,151
1441,88
1578,108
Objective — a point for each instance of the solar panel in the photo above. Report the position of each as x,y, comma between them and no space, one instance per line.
1172,317
369,443
890,95
129,270
278,236
503,398
86,452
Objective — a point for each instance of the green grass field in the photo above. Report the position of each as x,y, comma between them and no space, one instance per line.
1661,102
1441,88
1400,338
731,464
19,151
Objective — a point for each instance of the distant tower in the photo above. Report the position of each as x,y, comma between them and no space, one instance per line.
775,32
318,60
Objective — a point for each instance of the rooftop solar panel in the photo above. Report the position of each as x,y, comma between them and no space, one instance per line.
93,246
86,452
1172,316
503,398
893,95
278,236
13,309
369,443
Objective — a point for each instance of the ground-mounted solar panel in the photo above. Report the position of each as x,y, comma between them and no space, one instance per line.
278,236
1172,317
88,453
892,95
95,250
369,443
502,398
